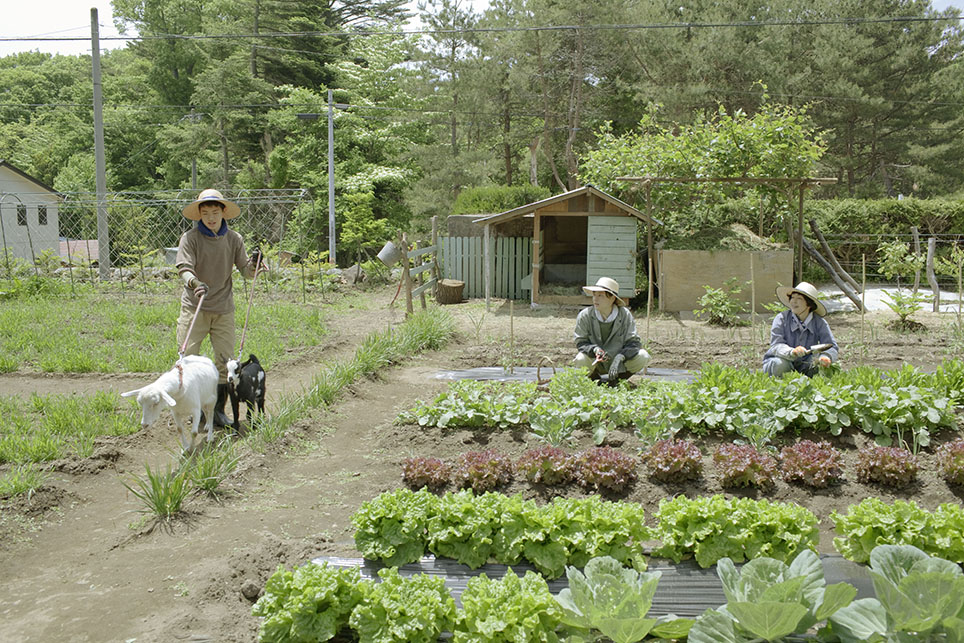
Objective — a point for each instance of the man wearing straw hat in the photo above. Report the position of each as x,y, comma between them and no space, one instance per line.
796,330
205,256
606,335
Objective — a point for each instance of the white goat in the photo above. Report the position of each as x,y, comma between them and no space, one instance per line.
190,388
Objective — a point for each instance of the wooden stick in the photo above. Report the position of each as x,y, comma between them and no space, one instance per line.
863,294
913,231
843,285
931,277
830,256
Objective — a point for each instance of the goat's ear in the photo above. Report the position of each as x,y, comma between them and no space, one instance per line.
167,398
129,393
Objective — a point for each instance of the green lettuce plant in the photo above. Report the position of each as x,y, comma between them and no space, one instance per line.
508,610
312,603
614,601
416,609
768,600
392,526
713,527
872,522
919,598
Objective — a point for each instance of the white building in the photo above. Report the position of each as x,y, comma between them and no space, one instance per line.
29,222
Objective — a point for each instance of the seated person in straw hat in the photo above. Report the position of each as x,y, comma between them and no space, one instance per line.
205,256
606,335
796,330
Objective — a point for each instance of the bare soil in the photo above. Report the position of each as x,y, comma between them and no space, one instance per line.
79,564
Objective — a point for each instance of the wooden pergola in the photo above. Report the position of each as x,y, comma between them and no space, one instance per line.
786,183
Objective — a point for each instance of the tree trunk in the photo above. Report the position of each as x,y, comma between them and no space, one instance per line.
575,111
506,148
254,45
547,117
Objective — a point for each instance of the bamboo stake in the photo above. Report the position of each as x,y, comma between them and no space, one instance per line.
863,294
752,295
511,337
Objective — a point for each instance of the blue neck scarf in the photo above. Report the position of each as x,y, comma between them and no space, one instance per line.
206,231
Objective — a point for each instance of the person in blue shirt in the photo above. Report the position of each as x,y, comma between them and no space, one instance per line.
797,329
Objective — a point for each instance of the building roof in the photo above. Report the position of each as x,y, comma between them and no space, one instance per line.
37,182
586,189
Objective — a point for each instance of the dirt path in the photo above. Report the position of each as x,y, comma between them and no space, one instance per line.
83,567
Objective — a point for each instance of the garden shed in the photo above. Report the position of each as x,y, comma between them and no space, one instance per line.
547,249
28,214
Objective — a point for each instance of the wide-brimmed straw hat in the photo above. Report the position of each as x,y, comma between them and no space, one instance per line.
805,289
605,284
192,210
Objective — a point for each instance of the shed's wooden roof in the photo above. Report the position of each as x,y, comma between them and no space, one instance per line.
589,190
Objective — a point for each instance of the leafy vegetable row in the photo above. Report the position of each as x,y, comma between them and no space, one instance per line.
808,463
399,527
919,598
902,406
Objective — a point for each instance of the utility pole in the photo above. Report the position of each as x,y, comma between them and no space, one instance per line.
331,178
103,241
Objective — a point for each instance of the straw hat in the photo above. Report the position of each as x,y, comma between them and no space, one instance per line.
605,284
192,211
805,289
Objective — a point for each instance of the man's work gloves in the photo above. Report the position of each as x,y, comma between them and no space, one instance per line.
199,287
614,367
256,258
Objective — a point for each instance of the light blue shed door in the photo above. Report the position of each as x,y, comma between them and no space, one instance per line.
611,252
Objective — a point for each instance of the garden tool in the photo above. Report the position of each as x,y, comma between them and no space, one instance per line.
191,327
818,348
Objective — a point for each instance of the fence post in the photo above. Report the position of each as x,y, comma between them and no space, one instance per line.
406,276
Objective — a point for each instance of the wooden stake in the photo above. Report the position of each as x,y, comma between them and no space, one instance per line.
863,294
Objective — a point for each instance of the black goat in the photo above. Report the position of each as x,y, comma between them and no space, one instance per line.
245,382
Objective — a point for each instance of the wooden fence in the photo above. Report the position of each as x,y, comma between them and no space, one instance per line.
464,259
420,269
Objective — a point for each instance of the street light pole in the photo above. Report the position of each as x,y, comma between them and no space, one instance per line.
331,179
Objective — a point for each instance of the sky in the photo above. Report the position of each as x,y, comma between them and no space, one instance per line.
71,18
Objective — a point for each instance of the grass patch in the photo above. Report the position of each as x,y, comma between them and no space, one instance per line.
161,494
95,334
22,478
48,427
209,467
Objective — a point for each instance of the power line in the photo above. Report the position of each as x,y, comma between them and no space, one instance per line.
415,32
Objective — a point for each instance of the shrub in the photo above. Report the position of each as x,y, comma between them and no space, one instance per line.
482,470
814,464
545,465
950,461
421,472
605,468
891,466
720,306
741,465
673,460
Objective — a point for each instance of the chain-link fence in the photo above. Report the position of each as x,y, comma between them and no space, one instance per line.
43,231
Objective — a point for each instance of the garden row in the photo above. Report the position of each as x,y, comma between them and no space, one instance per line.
674,461
919,597
401,526
902,406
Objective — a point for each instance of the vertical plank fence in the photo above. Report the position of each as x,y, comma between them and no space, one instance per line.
464,259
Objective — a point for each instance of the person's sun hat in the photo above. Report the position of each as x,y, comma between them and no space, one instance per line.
192,210
605,284
805,289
